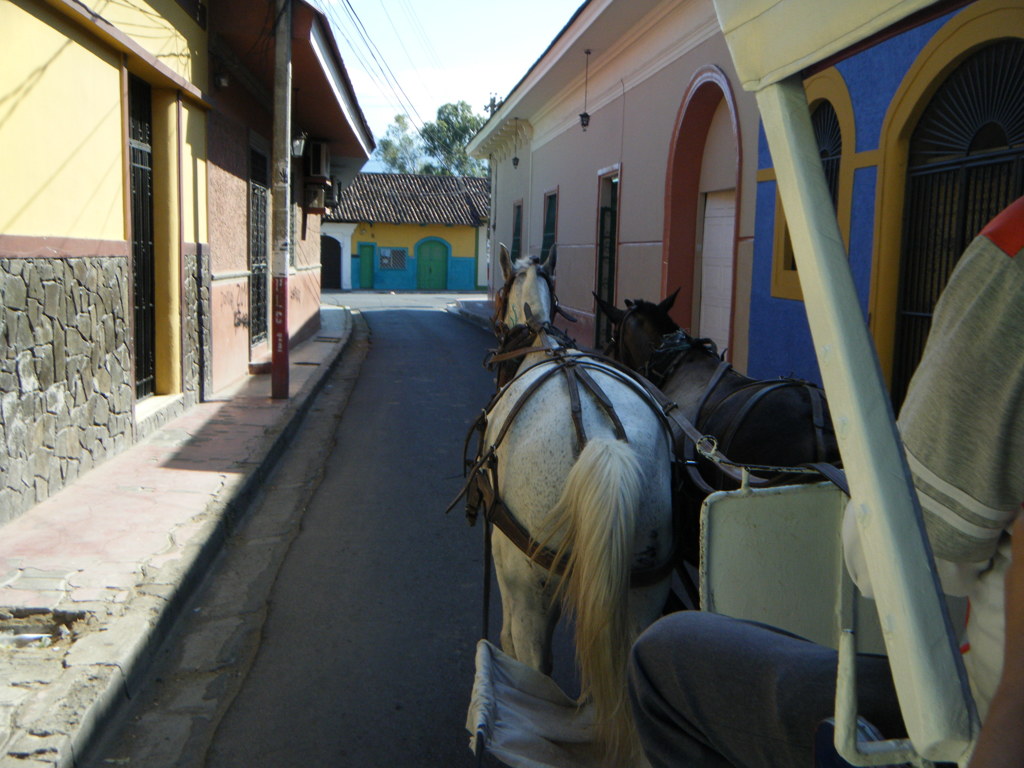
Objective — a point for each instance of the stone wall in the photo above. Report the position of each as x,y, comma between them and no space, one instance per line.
198,293
65,373
194,326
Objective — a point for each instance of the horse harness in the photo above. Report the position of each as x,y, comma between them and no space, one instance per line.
481,487
663,363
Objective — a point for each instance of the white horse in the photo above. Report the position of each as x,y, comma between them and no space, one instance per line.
605,507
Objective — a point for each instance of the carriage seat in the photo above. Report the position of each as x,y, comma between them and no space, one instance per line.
775,555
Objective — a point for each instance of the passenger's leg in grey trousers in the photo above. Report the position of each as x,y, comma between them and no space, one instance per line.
708,690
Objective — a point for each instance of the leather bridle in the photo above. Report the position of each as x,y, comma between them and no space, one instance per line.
481,487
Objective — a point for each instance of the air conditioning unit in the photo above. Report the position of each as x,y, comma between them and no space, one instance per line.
318,160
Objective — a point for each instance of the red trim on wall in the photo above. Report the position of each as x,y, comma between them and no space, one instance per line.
33,247
708,87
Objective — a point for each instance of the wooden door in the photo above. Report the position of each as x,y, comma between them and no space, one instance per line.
366,254
716,264
432,266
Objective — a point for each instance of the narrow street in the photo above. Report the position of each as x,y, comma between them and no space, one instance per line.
339,627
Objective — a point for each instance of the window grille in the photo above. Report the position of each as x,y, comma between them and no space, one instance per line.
141,132
606,242
393,258
966,163
825,122
259,246
829,138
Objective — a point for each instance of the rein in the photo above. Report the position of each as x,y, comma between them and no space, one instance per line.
708,445
517,342
481,487
665,361
501,300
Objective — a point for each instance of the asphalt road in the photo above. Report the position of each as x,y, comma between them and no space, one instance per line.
339,627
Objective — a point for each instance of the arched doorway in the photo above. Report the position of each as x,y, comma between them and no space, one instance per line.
965,164
330,264
432,265
701,207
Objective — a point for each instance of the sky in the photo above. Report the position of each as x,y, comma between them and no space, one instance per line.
439,51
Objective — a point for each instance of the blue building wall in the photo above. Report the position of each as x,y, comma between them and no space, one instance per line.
395,279
460,269
460,274
780,338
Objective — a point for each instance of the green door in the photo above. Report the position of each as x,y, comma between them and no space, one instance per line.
432,266
366,266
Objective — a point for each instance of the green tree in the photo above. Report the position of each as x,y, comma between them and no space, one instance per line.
446,138
440,148
400,150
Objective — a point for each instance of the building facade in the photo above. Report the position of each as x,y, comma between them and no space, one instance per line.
407,232
923,131
671,185
657,191
116,125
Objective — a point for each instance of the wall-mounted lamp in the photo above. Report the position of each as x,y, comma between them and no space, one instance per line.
515,151
584,117
221,80
299,144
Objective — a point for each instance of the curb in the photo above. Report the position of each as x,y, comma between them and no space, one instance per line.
481,320
107,669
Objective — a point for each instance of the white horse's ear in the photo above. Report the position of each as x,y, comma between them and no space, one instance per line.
505,260
666,304
549,261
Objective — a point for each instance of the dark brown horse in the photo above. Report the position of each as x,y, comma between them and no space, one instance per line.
766,424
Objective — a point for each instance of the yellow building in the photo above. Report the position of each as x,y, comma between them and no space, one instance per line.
119,226
410,232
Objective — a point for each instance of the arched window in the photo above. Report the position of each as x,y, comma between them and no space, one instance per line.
965,164
830,144
829,138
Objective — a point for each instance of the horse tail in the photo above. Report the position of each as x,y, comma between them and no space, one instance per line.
598,512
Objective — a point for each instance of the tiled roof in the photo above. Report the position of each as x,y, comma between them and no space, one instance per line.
402,198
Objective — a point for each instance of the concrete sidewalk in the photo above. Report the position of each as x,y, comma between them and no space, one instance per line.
476,311
93,578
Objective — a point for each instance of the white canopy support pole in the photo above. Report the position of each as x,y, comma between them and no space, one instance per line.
927,669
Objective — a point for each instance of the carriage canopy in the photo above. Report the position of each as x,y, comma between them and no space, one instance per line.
771,43
812,30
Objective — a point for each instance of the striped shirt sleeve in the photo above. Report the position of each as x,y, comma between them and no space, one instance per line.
962,422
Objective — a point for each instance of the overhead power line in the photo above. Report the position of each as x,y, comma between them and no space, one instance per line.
372,60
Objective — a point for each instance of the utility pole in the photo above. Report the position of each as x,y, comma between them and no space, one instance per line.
281,204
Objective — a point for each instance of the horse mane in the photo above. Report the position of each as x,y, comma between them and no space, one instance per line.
523,262
670,352
680,341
